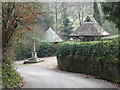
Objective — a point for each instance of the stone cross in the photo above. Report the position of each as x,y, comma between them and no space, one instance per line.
34,45
34,58
34,53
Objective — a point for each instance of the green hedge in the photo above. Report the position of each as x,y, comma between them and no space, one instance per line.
98,58
23,51
46,49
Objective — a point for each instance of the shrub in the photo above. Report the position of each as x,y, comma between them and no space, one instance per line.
0,76
10,78
98,58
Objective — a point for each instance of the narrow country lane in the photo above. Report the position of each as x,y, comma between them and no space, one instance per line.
45,75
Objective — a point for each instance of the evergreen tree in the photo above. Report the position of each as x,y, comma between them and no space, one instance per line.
112,12
67,28
97,13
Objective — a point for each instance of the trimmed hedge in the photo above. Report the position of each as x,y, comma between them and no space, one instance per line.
23,51
97,58
110,37
46,49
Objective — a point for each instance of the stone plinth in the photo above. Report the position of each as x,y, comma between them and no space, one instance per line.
33,59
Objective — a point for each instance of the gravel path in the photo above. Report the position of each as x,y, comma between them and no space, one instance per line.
46,75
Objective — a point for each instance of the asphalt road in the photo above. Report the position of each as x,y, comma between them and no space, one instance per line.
44,75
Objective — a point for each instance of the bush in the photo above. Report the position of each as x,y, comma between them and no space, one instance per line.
0,76
98,58
110,37
22,51
10,78
46,49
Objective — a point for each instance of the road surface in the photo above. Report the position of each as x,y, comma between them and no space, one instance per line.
45,75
